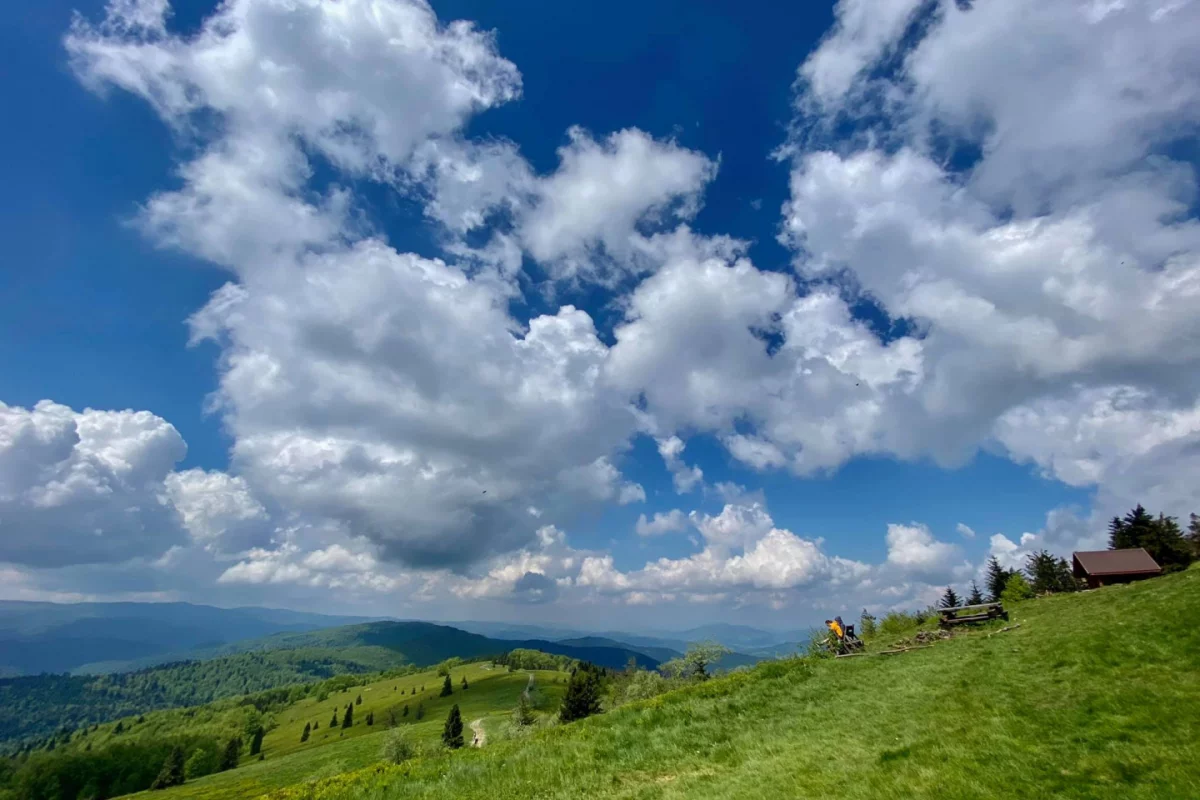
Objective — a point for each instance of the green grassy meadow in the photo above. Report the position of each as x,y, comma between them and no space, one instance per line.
1095,695
491,695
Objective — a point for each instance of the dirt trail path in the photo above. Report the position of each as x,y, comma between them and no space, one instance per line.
480,733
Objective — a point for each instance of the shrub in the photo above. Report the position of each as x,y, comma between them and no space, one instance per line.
1016,589
202,762
898,623
396,747
642,685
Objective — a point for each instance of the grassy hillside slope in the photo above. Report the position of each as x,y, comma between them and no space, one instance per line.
491,696
1096,695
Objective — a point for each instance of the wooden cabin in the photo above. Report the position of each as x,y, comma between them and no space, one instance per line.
1106,567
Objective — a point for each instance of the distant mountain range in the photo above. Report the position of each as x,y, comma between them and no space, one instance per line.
115,637
58,637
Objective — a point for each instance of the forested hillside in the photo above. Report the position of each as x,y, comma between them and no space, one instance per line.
38,706
41,705
425,643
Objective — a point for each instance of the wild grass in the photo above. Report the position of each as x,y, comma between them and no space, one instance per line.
1096,695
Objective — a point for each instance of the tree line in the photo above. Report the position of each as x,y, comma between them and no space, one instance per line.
1169,545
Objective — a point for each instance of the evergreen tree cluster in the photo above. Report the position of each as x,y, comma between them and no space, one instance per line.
1159,536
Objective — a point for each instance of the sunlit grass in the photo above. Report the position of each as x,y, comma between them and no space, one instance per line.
1096,695
329,751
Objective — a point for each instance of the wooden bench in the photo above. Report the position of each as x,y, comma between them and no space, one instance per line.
980,612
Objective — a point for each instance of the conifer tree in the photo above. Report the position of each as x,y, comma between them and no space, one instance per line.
1066,577
333,723
171,773
464,683
1193,535
452,733
1042,571
316,725
370,717
975,597
583,694
414,691
1165,543
420,711
358,700
231,754
997,577
256,741
307,731
348,717
523,713
405,713
950,599
447,688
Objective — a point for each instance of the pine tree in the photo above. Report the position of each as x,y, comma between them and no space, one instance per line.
975,597
523,713
171,773
1066,577
950,599
420,711
583,694
231,754
370,717
997,576
447,688
316,725
307,730
333,723
414,691
1043,572
452,734
1132,530
256,741
867,624
422,688
1193,535
405,713
358,700
120,728
348,717
464,683
1165,543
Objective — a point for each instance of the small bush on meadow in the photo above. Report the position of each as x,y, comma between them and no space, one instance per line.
898,623
1016,589
397,748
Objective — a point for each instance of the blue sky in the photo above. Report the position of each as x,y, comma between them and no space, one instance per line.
897,339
